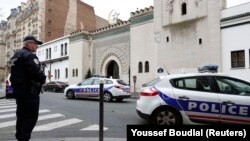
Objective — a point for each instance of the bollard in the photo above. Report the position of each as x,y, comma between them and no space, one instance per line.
101,111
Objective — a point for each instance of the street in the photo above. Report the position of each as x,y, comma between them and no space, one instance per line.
63,118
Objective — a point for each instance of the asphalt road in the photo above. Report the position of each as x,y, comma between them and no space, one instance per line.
65,118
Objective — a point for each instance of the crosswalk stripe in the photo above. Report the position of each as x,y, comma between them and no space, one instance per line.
7,110
94,127
13,123
6,104
14,114
4,107
54,125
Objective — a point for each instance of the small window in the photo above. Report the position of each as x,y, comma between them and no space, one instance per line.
61,49
238,59
167,39
184,8
58,74
146,66
55,74
200,41
76,72
73,73
49,53
66,72
66,48
140,66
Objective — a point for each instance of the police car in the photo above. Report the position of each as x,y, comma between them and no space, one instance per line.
202,98
113,89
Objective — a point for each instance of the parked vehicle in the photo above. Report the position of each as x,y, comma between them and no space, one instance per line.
55,86
113,89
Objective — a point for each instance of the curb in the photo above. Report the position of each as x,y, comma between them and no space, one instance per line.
2,97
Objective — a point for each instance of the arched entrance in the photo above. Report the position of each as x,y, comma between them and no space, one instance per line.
113,70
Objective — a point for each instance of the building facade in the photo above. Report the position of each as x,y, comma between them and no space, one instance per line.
235,30
172,37
55,54
3,27
47,20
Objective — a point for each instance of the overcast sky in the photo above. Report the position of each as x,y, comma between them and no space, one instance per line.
103,7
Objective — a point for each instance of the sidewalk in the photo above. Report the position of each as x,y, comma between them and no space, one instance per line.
76,139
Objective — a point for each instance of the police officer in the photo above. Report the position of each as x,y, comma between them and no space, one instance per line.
27,78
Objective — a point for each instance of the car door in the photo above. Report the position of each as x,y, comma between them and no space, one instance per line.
196,97
95,88
234,97
50,85
81,90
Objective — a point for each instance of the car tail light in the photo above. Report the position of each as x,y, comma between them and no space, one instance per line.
149,92
118,86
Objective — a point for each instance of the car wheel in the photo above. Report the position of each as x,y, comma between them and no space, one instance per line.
70,94
107,97
166,116
119,99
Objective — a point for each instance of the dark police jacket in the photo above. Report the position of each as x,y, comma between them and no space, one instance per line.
25,69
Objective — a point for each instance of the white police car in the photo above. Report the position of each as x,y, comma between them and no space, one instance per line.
113,89
202,98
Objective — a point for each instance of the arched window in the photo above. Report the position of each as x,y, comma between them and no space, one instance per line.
73,73
58,74
146,66
140,66
76,72
66,72
184,8
55,74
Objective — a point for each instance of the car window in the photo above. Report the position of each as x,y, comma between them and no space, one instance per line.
233,86
62,83
51,83
122,82
193,83
152,82
96,82
108,82
87,82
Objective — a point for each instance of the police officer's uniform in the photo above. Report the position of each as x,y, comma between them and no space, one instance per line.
26,79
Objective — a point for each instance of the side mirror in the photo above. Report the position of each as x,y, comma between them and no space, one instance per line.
144,85
79,84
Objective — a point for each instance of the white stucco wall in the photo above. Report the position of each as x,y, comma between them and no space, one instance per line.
234,39
80,50
183,53
142,48
58,64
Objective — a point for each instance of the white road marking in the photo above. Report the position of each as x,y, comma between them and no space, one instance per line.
7,110
4,107
54,125
94,127
14,114
13,123
6,104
